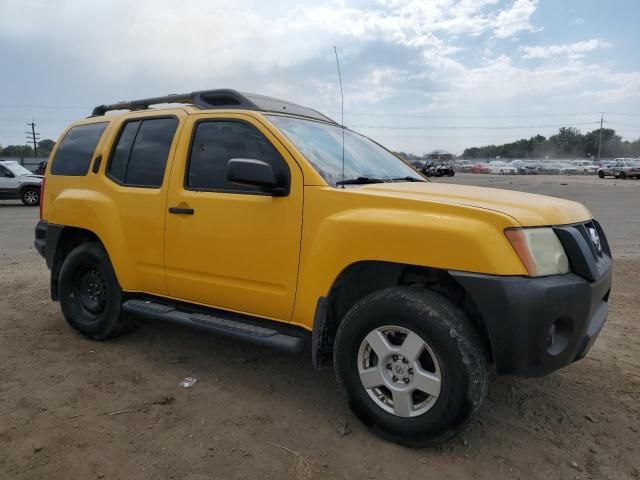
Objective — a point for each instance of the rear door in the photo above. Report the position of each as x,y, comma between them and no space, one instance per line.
136,181
239,248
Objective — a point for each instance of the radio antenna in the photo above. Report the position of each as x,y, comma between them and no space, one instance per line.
335,50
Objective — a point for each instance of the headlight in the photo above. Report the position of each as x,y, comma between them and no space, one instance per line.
540,250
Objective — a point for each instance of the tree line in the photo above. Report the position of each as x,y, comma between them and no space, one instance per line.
24,151
569,142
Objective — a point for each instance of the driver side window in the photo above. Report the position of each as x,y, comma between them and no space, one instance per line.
5,173
215,142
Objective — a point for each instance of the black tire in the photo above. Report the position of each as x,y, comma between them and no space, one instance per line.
622,176
90,296
451,173
452,339
30,196
601,174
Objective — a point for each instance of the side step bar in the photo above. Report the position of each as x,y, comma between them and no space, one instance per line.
221,323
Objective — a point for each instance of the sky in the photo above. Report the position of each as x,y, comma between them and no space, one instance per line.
418,75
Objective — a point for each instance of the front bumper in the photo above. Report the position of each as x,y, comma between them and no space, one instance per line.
538,325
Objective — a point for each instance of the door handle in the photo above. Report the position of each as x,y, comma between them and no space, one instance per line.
181,210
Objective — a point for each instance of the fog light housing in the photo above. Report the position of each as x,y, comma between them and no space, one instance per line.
559,335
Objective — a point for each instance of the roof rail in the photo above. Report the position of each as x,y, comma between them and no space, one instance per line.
217,99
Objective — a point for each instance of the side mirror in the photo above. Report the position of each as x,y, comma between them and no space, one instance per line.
256,173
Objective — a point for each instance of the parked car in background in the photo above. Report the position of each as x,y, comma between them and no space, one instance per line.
569,169
552,168
585,167
480,168
525,168
19,183
622,168
464,166
605,163
502,168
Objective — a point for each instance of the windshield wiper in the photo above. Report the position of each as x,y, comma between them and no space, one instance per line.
406,179
360,181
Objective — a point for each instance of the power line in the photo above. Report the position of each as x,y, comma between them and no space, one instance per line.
382,114
5,105
44,120
479,115
470,127
626,124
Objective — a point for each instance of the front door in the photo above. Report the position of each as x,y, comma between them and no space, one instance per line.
234,248
8,183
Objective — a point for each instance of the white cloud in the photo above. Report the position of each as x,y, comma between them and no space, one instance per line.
515,19
225,36
396,55
572,50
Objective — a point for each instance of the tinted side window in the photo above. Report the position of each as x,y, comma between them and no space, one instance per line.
120,156
215,143
140,156
76,150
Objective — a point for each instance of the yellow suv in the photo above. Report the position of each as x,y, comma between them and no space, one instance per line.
256,218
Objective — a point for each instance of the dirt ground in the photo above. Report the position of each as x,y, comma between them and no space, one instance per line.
75,409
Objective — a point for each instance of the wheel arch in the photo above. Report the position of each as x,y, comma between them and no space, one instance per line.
63,240
28,186
366,277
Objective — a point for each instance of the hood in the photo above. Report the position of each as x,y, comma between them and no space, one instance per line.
33,176
528,209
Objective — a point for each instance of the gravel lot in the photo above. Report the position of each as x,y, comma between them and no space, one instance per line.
72,408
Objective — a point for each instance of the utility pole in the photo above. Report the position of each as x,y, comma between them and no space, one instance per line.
33,137
600,139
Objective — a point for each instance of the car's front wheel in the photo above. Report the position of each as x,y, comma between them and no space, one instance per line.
31,196
411,365
622,176
601,174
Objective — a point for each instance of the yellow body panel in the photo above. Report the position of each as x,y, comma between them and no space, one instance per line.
238,251
273,257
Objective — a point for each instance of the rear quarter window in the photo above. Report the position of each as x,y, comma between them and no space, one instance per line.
76,149
139,158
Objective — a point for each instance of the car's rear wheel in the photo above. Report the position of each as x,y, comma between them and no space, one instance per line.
622,176
90,296
31,196
411,365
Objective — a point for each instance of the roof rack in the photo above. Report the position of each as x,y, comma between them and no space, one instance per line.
218,99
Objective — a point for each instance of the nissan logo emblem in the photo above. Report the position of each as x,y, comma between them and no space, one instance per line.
595,239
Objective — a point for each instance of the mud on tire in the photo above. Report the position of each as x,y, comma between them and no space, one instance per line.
449,337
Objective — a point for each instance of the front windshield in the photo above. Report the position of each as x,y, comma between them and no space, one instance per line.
17,169
321,145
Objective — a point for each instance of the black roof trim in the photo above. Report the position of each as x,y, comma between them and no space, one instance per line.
218,99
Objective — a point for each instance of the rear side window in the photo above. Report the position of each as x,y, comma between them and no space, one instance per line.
76,150
140,155
215,143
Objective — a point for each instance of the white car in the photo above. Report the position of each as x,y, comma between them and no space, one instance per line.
502,168
19,183
585,166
